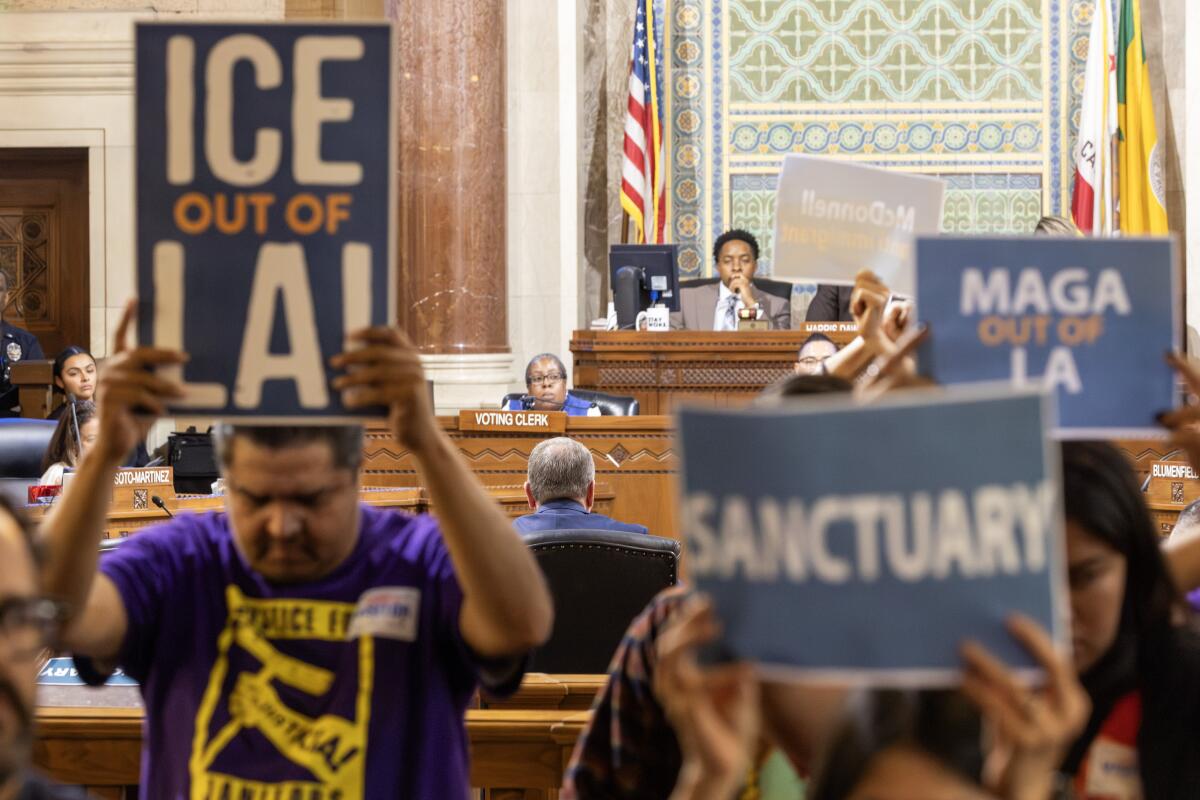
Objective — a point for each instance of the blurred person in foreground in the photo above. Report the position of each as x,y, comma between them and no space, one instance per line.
28,628
299,642
629,748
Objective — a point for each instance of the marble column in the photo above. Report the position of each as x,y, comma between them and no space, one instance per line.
452,212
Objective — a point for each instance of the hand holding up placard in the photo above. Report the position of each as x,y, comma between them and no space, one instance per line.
717,712
386,371
1181,421
1031,729
714,711
880,357
129,394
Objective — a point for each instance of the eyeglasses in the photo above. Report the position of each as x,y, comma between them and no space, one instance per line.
811,361
29,625
546,380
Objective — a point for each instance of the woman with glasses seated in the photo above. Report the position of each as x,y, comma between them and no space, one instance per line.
546,389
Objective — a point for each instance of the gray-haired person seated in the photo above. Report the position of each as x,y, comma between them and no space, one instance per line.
561,489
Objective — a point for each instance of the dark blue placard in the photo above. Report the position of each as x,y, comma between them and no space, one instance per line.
62,672
1110,312
815,604
188,206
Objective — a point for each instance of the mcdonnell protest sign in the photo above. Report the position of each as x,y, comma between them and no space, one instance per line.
868,543
1089,319
835,217
265,206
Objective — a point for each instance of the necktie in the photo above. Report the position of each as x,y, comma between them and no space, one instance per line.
730,316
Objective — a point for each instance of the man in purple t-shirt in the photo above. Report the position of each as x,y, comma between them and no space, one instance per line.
299,644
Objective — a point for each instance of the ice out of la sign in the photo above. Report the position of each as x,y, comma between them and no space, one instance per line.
264,207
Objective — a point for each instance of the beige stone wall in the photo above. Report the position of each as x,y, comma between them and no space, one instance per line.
1165,26
606,33
265,9
66,80
548,155
334,9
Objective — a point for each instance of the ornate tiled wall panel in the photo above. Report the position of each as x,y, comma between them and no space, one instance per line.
981,92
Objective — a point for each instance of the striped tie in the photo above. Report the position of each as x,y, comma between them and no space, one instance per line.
730,316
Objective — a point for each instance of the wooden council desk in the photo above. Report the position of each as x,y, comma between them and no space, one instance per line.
515,752
714,367
123,520
35,384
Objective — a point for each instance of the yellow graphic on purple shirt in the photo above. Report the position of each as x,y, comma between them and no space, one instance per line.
330,748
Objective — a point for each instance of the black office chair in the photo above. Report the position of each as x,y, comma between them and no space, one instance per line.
600,581
23,443
781,289
610,405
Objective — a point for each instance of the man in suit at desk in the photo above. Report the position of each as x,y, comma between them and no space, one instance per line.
830,304
561,488
719,306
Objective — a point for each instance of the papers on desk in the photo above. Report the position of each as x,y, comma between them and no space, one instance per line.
865,544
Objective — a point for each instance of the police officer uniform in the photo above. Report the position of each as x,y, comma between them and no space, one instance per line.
16,344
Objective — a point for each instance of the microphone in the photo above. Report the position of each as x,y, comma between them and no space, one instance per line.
75,428
527,401
158,501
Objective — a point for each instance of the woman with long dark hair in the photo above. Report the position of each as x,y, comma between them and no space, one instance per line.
74,376
69,442
1136,648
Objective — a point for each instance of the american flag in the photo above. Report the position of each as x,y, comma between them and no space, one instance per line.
643,195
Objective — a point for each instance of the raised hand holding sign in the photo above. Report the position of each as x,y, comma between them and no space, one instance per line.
129,395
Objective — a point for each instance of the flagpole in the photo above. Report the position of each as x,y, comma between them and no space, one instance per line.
1116,188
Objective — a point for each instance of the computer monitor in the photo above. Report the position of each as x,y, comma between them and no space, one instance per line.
656,269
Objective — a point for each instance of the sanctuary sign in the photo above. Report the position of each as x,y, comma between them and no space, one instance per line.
865,544
265,207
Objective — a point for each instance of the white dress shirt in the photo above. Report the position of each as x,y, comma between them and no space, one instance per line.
721,313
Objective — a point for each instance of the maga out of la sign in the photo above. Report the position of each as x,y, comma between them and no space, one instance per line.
867,543
1088,319
265,205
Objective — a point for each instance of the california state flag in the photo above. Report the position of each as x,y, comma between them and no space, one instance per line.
1092,202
